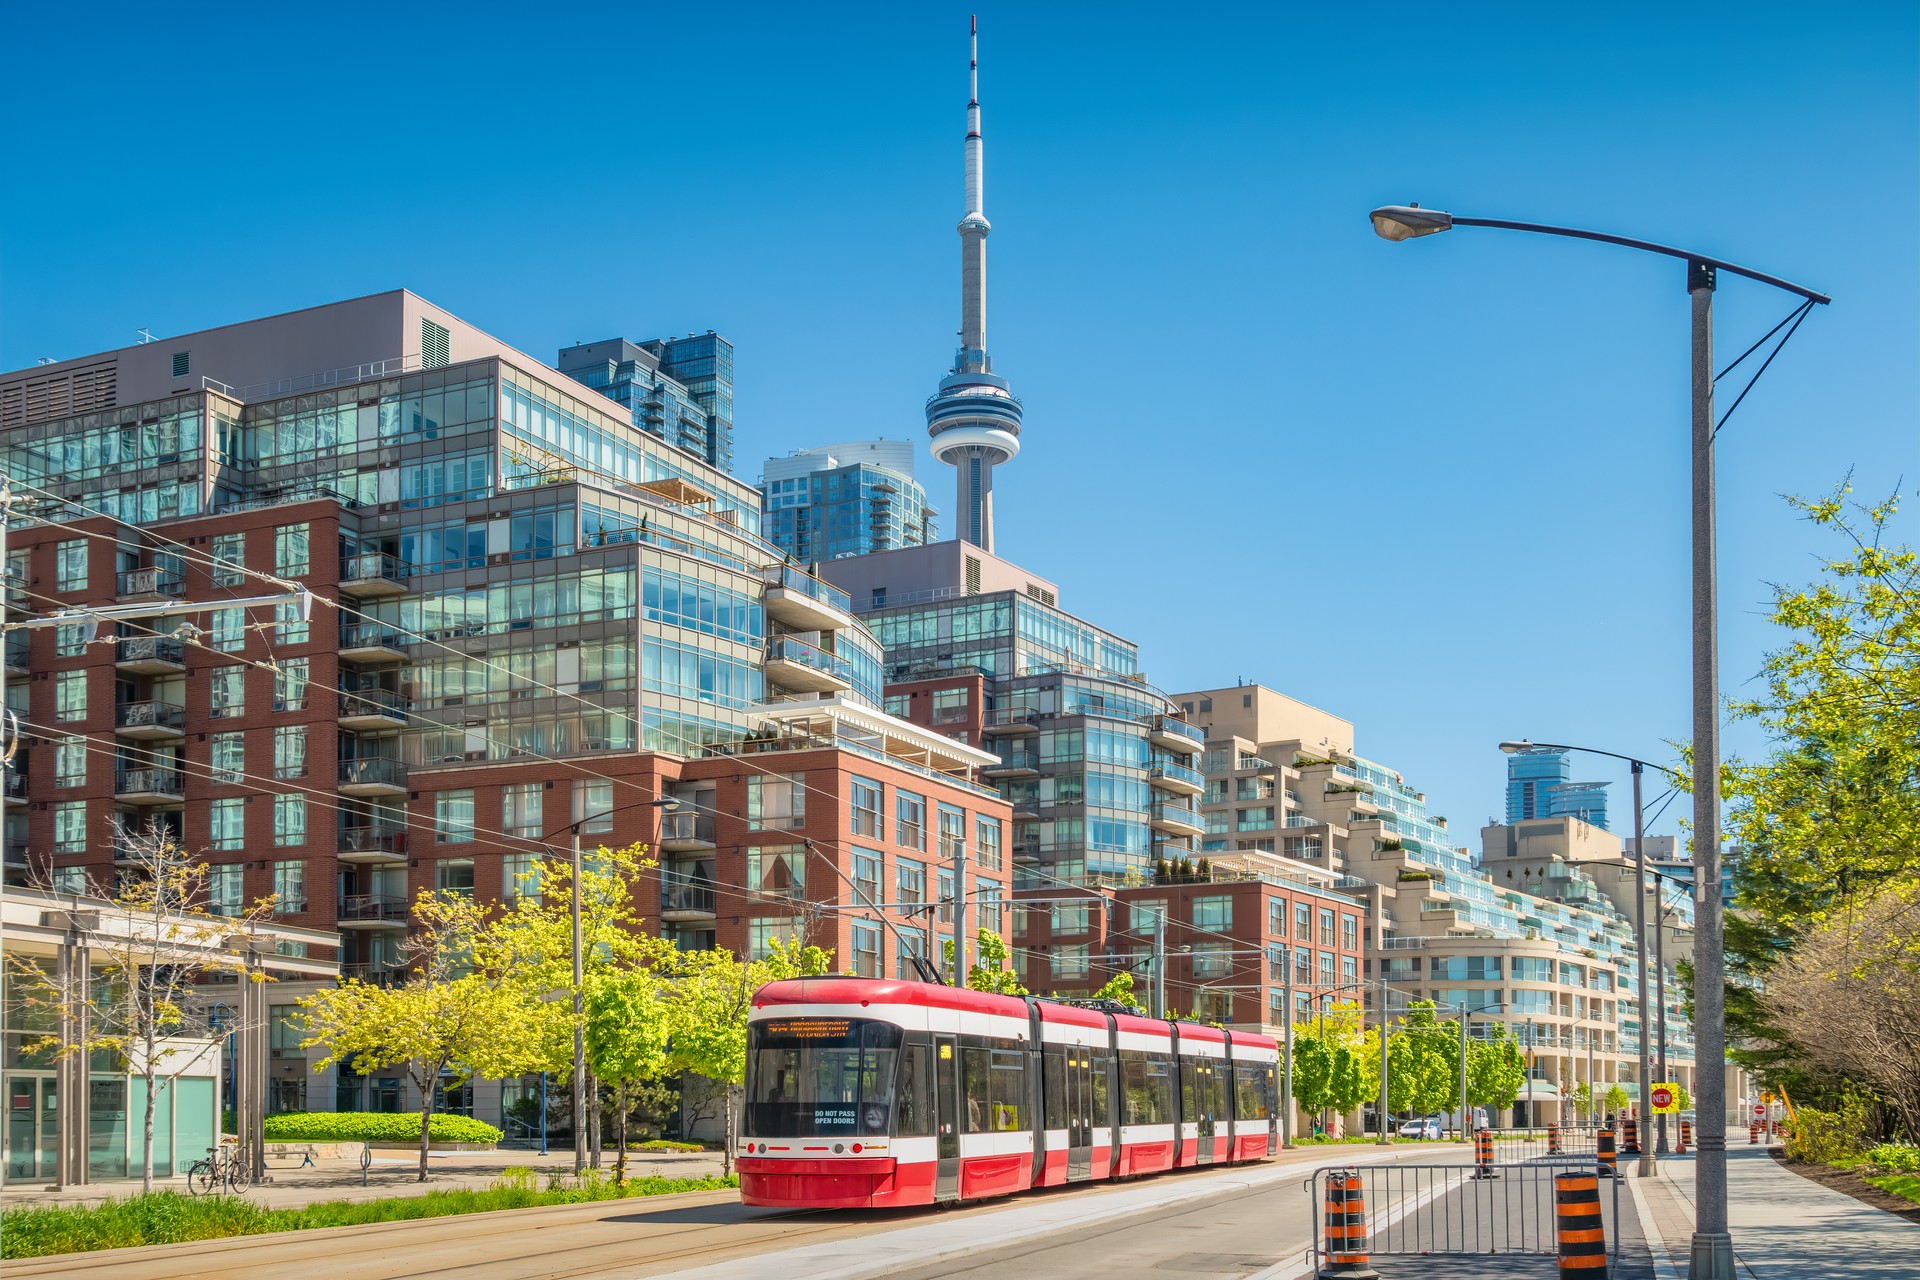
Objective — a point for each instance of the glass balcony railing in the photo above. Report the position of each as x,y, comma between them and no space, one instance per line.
1173,727
153,582
373,906
131,649
371,635
683,828
374,702
373,566
1176,813
373,771
149,715
1180,773
362,839
19,645
686,895
787,649
159,782
795,579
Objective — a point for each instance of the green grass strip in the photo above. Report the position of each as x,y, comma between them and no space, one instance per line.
168,1217
1906,1186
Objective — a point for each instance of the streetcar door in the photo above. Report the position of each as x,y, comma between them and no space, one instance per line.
1206,1094
1079,1115
948,1110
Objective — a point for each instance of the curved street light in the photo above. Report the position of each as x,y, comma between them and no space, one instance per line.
1712,1246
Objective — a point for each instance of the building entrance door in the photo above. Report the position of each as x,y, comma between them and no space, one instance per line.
32,1135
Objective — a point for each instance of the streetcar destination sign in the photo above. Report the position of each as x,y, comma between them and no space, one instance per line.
807,1028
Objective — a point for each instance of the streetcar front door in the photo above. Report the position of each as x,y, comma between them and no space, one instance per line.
1206,1094
1079,1116
948,1109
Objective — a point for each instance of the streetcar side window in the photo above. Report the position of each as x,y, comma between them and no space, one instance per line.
1101,1075
1053,1078
1252,1080
996,1087
1147,1087
914,1092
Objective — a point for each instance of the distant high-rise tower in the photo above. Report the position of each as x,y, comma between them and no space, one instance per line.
973,418
1539,786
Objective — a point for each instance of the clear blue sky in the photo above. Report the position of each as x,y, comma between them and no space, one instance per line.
1438,488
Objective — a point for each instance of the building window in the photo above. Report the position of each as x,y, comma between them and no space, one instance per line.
943,894
1350,932
866,877
898,704
953,832
911,877
453,877
1349,969
70,826
290,684
1072,917
520,878
1277,917
912,945
1302,967
1214,1006
70,565
764,933
230,558
228,752
1326,926
453,816
1302,922
289,820
290,751
229,629
1213,912
289,626
989,905
1260,819
592,807
986,838
225,890
950,706
290,557
865,796
778,870
70,761
777,803
520,807
866,950
70,695
70,640
227,692
909,820
289,888
226,821
1326,968
1211,959
1072,962
1144,912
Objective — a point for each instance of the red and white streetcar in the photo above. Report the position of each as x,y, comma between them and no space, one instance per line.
864,1093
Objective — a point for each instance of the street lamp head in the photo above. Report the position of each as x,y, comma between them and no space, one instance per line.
1405,221
1516,748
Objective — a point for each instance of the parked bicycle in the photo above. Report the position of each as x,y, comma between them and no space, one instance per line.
223,1169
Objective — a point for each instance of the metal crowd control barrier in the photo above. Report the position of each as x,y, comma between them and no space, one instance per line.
1554,1142
1414,1210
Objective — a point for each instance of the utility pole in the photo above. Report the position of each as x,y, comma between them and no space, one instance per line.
1463,1072
579,1027
1286,1051
960,912
1160,962
1383,1139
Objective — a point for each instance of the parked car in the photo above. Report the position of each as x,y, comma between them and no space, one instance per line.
1427,1128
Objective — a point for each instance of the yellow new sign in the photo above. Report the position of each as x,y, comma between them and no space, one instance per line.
1665,1099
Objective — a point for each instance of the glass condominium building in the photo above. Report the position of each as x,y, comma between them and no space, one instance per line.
1539,786
845,500
679,390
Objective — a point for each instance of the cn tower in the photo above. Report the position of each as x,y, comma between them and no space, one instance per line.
973,418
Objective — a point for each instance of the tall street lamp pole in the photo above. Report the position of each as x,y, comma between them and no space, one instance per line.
579,991
1712,1250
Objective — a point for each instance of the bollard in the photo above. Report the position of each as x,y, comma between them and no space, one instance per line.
1483,1155
1753,1134
1686,1136
1604,1156
1629,1136
1346,1251
1553,1139
1580,1236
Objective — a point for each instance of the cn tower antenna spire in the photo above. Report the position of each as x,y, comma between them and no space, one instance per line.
974,419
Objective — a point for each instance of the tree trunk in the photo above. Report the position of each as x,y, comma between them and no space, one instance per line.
146,1141
426,1117
620,1165
726,1149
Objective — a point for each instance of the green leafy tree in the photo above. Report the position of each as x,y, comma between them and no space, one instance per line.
1578,1096
711,993
1496,1070
1615,1099
1312,1072
626,1043
1353,1083
993,970
1423,1063
447,1023
1119,988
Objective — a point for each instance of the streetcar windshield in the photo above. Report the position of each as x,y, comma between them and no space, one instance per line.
820,1076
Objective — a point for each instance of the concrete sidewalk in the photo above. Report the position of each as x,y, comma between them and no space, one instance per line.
393,1173
1784,1226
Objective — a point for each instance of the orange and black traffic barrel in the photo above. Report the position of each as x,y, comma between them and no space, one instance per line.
1686,1136
1553,1139
1629,1136
1483,1155
1580,1236
1608,1162
1346,1252
1753,1134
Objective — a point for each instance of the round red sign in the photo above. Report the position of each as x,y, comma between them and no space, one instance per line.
1760,1108
1662,1096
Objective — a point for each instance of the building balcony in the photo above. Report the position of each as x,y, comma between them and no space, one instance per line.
686,832
1014,764
150,721
149,786
373,846
373,574
1171,734
373,776
19,648
1177,778
1177,819
373,911
13,782
18,597
149,656
375,974
373,710
684,901
371,643
152,584
1010,721
797,599
794,665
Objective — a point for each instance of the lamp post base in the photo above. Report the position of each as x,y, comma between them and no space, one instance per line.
1712,1257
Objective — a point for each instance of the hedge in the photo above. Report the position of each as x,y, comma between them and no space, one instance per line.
375,1126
